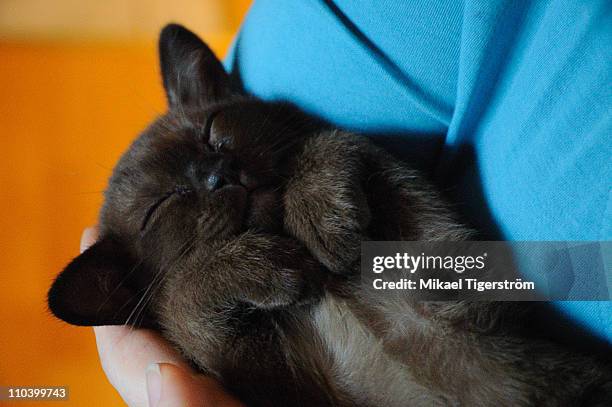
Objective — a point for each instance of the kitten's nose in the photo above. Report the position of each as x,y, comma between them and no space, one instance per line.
216,174
213,181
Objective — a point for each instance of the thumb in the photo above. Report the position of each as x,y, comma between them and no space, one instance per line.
169,385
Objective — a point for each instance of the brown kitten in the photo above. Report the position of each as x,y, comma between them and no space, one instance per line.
234,226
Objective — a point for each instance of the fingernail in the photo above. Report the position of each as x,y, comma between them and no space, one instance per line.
154,383
88,238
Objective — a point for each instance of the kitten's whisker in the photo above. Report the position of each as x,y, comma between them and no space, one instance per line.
126,302
158,284
136,307
138,310
284,143
123,280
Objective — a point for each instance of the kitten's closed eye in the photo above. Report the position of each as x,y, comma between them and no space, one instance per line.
180,190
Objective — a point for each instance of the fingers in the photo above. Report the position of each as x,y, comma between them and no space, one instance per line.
173,386
125,354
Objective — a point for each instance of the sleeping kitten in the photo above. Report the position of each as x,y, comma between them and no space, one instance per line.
234,226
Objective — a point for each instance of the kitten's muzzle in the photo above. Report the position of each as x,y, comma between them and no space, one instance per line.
214,174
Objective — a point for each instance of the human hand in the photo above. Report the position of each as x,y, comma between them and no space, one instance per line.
147,371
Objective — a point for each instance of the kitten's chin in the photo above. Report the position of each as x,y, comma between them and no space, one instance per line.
264,210
228,207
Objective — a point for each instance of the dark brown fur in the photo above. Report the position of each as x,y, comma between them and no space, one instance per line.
234,226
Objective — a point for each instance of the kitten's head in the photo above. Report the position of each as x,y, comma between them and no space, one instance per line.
210,168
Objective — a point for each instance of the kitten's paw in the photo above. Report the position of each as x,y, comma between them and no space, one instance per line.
280,271
332,226
325,205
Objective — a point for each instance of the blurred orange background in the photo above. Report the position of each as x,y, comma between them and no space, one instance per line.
78,81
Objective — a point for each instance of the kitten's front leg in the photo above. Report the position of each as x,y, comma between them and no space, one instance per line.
267,271
197,304
325,205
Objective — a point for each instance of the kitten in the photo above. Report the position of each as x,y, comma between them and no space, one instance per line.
234,227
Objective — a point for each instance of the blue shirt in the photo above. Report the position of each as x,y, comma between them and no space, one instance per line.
508,102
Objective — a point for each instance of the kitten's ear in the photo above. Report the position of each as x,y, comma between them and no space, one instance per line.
193,76
92,289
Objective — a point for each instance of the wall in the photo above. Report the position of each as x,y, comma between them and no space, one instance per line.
77,83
